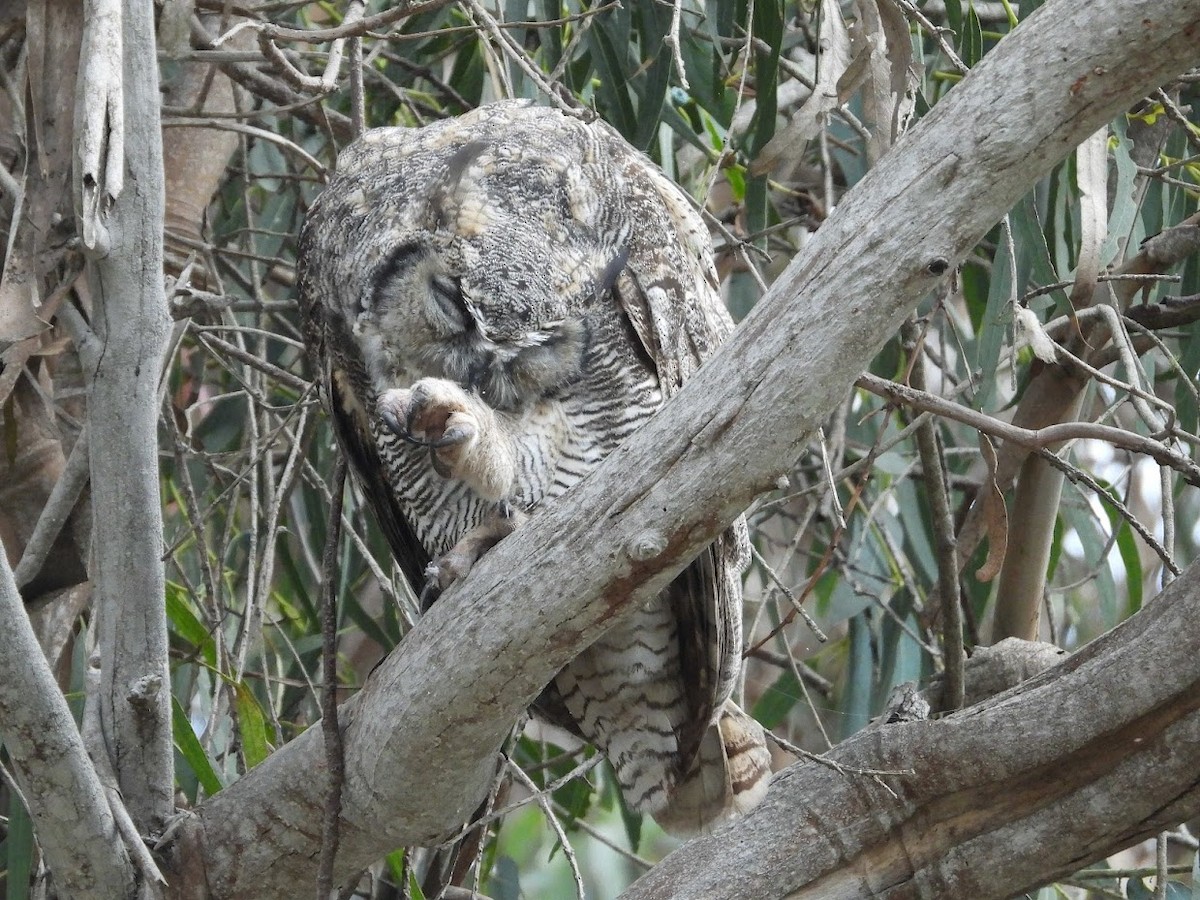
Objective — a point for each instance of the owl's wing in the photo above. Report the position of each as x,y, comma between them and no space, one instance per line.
361,450
669,287
669,291
337,377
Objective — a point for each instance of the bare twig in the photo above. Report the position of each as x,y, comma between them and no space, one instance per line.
1033,439
787,592
876,775
358,109
58,508
348,28
938,34
552,819
285,378
260,133
934,473
335,762
518,55
672,41
1077,475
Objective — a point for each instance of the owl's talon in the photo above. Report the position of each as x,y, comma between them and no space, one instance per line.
432,588
456,562
438,465
459,433
390,420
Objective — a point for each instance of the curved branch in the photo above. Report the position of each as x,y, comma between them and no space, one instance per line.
1099,752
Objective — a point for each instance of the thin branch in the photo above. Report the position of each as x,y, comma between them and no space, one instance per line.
938,34
671,39
358,106
261,133
563,101
934,474
1076,476
876,775
335,762
356,28
552,819
59,506
1036,439
285,378
787,592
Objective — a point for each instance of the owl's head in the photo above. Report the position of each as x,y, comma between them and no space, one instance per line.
469,253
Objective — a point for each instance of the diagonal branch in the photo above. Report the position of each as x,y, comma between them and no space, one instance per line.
1095,754
75,825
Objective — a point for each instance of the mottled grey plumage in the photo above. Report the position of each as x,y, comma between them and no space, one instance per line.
495,302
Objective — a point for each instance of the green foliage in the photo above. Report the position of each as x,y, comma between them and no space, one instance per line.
198,766
18,851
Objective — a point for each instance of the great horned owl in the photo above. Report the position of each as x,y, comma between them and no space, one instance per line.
494,303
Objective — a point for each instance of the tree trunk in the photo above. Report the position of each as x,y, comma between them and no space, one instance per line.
131,325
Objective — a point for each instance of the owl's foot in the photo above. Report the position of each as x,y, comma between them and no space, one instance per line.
462,434
457,562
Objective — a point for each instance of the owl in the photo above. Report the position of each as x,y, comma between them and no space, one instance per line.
493,304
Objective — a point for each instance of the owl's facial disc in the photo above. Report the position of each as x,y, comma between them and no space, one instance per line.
422,318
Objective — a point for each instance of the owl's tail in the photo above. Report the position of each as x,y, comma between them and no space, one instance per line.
728,778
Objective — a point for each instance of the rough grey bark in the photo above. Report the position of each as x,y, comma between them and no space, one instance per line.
421,736
75,826
131,324
1096,753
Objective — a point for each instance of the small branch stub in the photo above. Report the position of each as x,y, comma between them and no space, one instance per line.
646,546
144,690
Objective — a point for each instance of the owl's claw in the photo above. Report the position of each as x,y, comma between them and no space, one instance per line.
432,588
387,412
459,430
440,421
458,560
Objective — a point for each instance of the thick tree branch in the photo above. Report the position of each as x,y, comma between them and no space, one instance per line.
1096,753
131,321
449,693
75,826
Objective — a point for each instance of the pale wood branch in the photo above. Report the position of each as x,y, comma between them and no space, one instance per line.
1094,754
75,827
131,323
